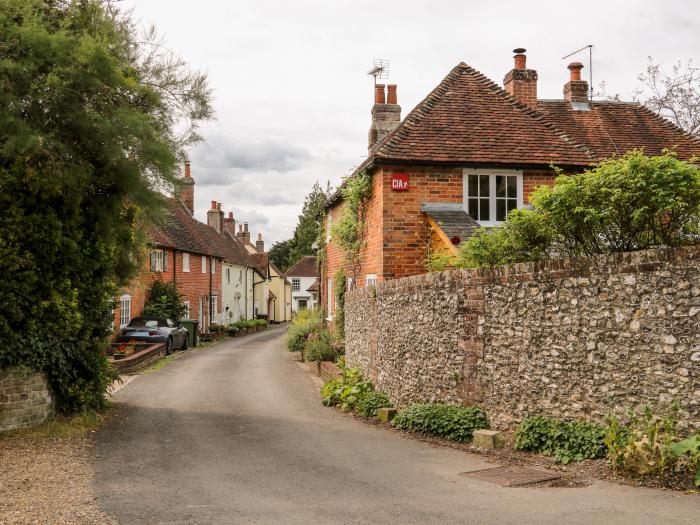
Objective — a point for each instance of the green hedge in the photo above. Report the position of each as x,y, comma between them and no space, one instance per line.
455,423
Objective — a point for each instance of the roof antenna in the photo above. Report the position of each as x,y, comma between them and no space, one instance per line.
590,65
380,69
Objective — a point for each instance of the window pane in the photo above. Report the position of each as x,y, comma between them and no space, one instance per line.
474,208
500,210
473,189
512,187
501,186
512,204
484,209
484,185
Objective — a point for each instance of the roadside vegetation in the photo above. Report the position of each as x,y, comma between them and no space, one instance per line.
309,335
95,118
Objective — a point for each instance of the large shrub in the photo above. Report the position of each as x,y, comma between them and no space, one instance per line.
319,346
303,324
566,441
630,203
91,127
164,300
451,422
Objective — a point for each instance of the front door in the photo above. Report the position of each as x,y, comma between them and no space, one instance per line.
301,304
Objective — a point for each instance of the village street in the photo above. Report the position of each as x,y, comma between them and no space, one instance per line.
236,434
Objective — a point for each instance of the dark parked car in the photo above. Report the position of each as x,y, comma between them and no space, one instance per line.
152,329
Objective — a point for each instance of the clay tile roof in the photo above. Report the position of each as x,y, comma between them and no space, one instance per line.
259,261
452,220
613,128
178,229
304,267
467,119
314,287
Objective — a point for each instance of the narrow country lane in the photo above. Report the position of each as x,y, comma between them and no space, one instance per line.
236,434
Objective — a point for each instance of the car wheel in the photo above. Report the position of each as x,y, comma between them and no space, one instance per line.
169,346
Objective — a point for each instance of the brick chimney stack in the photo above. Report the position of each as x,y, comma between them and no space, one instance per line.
386,113
521,82
213,216
220,229
230,224
576,90
260,244
187,190
243,233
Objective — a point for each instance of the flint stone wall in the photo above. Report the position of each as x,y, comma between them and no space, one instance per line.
25,399
573,338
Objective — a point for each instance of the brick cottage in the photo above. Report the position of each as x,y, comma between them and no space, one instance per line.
470,152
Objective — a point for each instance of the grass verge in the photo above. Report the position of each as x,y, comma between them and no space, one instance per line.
61,427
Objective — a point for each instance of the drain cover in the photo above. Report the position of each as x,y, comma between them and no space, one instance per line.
511,476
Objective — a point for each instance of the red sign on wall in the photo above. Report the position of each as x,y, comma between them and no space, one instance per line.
399,181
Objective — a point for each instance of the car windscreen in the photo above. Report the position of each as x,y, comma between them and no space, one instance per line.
140,321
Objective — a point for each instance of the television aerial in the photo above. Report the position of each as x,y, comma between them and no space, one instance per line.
380,69
590,64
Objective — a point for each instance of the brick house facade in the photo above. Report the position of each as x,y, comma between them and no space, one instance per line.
470,152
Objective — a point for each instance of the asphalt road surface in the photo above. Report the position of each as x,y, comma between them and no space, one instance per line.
235,433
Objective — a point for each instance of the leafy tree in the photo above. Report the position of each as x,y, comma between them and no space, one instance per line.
629,203
286,253
163,300
93,120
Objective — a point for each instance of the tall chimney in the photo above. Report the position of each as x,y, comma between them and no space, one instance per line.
220,229
213,216
230,224
243,233
187,190
576,90
260,244
386,114
521,82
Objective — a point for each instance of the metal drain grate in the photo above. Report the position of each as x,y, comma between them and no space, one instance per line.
511,476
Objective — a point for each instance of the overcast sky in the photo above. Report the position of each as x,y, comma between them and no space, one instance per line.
293,99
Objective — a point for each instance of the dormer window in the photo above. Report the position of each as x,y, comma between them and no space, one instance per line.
490,194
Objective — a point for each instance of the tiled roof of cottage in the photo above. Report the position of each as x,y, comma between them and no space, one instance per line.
304,267
314,287
260,261
467,118
178,229
613,128
456,223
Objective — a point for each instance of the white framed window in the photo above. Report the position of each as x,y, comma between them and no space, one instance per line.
490,194
186,315
329,293
350,284
212,306
185,262
204,264
371,279
296,284
124,310
213,265
329,224
159,261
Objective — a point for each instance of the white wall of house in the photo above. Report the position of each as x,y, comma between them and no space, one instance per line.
299,294
233,291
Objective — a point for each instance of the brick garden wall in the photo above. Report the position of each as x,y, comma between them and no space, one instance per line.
25,400
570,338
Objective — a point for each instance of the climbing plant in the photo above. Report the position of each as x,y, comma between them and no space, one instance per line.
340,287
349,230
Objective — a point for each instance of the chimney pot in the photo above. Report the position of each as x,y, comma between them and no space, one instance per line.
240,228
379,97
520,58
187,169
213,205
218,206
575,68
230,215
391,94
245,226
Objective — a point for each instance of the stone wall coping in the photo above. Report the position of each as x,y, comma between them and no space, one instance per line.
642,261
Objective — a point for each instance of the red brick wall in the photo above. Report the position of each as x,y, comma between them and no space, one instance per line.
397,236
192,285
